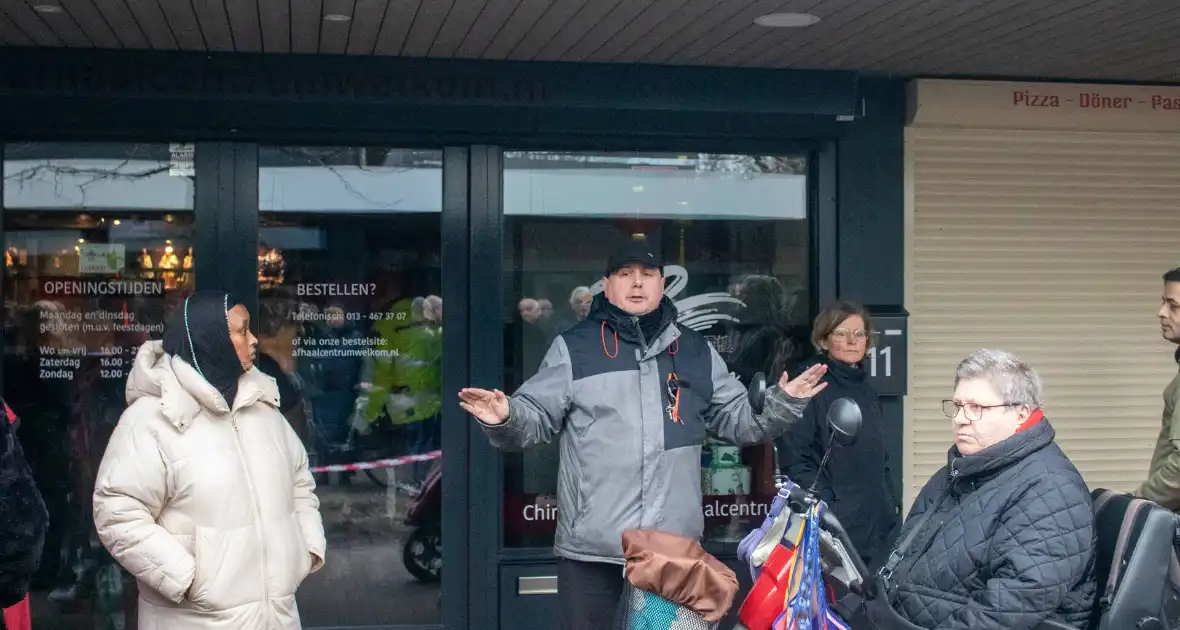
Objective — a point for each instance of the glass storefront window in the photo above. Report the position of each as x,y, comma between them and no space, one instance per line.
733,230
98,250
350,325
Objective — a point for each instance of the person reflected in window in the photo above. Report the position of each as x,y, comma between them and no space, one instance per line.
420,367
763,343
631,395
856,481
529,334
334,376
277,331
204,492
579,304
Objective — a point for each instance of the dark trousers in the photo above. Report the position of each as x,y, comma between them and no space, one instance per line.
588,594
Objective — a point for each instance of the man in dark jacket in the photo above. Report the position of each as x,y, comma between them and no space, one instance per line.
1003,537
23,519
632,396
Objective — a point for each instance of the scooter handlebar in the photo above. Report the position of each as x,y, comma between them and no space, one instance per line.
800,500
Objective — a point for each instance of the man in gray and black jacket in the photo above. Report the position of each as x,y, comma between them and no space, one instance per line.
632,396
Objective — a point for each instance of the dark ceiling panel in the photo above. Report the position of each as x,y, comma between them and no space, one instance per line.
779,46
306,18
590,15
736,23
243,23
153,23
968,26
64,28
687,32
1094,17
11,33
214,24
427,23
455,28
367,16
531,27
275,16
885,38
616,20
1127,40
92,23
122,22
1072,43
399,17
334,34
747,36
184,25
645,24
491,21
880,20
776,38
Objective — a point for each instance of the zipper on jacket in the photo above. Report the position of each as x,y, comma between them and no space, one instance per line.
256,507
639,329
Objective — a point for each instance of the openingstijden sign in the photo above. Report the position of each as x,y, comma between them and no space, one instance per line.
1067,106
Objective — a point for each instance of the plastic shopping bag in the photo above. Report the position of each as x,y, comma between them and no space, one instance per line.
18,617
805,605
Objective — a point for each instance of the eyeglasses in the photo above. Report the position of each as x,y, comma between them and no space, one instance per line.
850,336
971,411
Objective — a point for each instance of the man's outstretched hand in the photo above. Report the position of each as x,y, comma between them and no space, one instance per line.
491,407
806,384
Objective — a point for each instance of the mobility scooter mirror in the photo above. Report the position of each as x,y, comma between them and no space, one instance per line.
757,392
845,419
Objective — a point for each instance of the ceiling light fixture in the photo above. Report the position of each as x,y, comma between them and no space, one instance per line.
337,17
786,20
47,8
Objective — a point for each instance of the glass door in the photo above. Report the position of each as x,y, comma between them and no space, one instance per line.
736,232
98,250
351,284
733,230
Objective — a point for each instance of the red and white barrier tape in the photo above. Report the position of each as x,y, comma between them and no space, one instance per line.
381,463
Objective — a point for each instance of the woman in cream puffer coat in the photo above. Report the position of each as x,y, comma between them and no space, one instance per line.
211,508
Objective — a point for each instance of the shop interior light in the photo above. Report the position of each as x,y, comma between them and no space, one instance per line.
47,8
786,20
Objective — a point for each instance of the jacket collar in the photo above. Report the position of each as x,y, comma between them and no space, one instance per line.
994,459
838,371
183,393
628,329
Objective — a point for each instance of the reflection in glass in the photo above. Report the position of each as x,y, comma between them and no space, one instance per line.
351,329
97,252
733,232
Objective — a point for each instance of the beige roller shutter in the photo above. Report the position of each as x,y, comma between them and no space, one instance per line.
1049,244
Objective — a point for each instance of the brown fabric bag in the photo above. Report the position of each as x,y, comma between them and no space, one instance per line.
678,569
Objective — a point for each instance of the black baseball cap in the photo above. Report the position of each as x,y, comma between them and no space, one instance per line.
635,252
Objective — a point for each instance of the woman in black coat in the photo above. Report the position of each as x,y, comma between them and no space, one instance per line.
856,482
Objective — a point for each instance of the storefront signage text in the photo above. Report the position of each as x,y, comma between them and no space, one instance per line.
93,288
712,509
1094,100
1044,106
227,81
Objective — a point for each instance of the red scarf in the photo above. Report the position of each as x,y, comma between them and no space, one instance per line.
1031,420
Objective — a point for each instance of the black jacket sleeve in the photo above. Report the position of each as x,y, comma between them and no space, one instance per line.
23,520
801,448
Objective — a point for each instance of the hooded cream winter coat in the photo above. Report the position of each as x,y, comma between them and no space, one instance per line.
213,511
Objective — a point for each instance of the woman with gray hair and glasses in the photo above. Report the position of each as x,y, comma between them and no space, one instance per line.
1002,537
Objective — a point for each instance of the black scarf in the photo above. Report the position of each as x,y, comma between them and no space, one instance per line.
199,334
